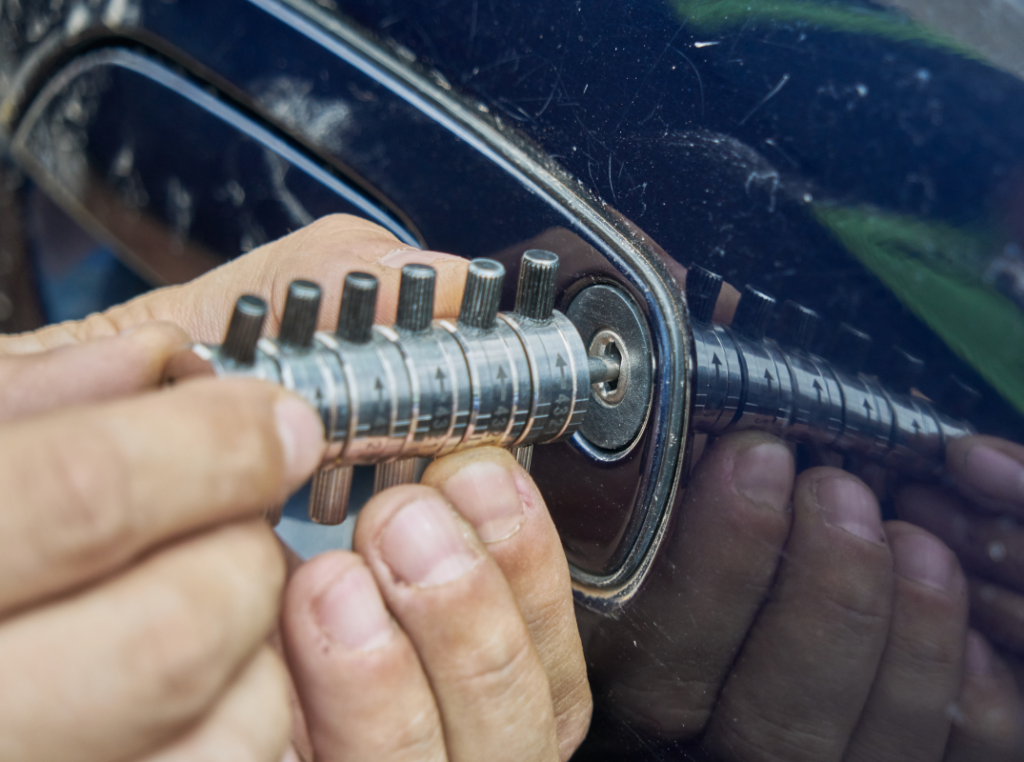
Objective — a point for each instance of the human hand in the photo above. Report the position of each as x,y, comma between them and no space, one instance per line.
783,620
325,251
980,520
137,582
514,598
449,633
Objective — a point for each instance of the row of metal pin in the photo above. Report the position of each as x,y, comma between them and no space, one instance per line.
535,297
798,327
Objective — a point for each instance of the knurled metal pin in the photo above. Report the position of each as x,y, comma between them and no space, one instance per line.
301,310
958,398
416,298
797,325
535,295
753,313
482,294
393,473
273,515
904,369
358,305
702,290
849,348
329,495
244,330
524,456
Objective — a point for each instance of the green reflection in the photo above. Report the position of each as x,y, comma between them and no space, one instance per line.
934,269
720,15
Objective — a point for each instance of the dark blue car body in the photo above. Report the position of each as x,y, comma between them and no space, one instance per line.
863,160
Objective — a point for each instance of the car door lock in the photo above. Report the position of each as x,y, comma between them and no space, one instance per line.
424,388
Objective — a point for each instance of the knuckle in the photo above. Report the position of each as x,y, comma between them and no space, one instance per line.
931,642
498,669
86,496
174,655
749,519
198,611
327,231
420,739
96,325
236,418
858,607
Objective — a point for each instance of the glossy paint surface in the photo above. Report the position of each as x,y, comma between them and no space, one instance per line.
844,155
864,160
401,158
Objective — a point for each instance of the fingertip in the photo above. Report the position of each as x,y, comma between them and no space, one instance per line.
988,716
763,474
922,558
301,434
486,487
756,466
361,686
423,545
314,576
336,596
979,658
991,467
847,503
936,511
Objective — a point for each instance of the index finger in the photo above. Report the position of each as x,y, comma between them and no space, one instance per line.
89,489
91,372
325,251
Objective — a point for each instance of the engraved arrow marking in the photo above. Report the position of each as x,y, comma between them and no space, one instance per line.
501,380
867,406
440,377
379,420
718,365
917,427
769,379
817,387
560,364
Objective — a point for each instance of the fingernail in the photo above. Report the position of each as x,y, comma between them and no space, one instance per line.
352,614
302,438
850,506
424,546
994,473
402,257
764,474
978,656
485,495
923,559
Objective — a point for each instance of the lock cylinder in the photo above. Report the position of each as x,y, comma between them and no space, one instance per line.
424,387
746,381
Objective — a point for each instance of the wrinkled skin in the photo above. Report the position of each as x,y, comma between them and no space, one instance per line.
138,587
786,621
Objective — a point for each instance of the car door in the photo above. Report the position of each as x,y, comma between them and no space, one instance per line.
863,159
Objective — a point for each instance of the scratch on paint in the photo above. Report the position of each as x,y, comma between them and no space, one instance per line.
774,91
